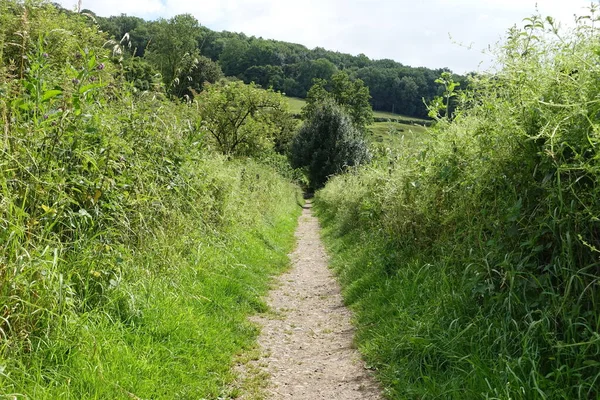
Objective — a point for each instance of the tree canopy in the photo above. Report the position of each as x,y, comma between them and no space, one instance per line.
352,95
243,119
287,67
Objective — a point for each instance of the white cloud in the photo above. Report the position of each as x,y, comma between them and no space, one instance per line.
412,32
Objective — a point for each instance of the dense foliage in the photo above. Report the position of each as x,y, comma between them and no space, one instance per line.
352,95
327,143
243,119
286,67
130,253
478,272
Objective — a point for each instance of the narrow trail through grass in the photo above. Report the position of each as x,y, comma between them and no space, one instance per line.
306,339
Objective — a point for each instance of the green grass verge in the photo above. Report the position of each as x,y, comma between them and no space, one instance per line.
406,322
471,259
193,319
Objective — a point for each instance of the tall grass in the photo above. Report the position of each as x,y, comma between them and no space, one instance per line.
478,272
130,255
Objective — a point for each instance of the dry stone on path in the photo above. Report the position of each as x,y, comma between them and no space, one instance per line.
307,344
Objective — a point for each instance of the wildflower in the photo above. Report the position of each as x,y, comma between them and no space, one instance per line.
45,55
75,81
100,66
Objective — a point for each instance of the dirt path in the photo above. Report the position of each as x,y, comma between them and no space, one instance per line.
307,342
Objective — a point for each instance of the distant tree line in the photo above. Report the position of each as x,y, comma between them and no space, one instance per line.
186,54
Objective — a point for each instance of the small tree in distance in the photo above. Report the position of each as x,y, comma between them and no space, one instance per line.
352,95
327,143
244,120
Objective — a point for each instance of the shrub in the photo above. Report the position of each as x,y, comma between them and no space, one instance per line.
327,143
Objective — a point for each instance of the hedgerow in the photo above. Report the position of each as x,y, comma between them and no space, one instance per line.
130,252
477,275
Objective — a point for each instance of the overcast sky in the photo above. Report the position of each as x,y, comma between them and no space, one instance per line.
413,32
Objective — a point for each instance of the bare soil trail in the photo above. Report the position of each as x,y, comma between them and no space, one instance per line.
306,341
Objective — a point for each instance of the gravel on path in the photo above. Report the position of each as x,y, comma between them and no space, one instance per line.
307,339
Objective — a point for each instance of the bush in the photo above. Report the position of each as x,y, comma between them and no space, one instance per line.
328,143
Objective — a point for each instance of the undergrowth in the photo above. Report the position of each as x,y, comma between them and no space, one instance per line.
477,274
130,253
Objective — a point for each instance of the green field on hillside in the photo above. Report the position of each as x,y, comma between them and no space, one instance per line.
296,105
394,135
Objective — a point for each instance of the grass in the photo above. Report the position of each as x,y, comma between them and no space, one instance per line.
394,135
192,322
296,105
389,115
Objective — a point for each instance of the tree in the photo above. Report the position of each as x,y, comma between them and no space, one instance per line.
170,41
193,73
308,71
243,119
352,95
233,58
327,143
265,76
408,95
141,74
133,29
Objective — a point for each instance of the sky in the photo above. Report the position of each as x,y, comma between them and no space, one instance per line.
432,33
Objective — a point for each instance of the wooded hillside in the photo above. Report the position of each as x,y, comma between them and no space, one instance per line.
286,67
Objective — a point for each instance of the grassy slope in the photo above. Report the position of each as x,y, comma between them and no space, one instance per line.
469,262
130,253
296,105
394,135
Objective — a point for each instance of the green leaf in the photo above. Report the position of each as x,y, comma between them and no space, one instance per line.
30,88
50,94
87,88
92,62
22,104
